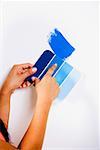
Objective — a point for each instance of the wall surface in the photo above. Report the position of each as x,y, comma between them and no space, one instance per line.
73,122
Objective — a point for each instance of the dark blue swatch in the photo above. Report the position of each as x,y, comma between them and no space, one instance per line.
41,64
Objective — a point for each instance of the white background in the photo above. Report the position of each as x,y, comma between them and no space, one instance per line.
73,123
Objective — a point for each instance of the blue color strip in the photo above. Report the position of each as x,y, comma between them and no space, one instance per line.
69,83
63,73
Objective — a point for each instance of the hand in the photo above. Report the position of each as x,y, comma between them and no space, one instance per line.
16,77
47,89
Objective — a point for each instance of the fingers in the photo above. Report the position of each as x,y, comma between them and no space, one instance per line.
51,70
21,68
29,72
25,84
35,81
26,65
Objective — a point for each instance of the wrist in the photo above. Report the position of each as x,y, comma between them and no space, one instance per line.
43,107
5,90
44,101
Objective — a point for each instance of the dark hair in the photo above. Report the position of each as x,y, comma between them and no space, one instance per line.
4,131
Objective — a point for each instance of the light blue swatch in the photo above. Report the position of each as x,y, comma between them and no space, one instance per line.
63,72
69,82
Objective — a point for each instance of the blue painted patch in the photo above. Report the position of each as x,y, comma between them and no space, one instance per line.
60,45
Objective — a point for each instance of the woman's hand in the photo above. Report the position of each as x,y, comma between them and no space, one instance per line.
16,77
47,89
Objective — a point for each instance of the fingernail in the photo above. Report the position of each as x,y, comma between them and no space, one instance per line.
24,86
55,65
28,84
33,78
34,69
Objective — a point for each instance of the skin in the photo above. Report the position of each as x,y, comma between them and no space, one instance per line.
14,80
6,146
46,90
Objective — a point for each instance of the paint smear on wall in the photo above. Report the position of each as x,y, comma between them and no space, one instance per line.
59,44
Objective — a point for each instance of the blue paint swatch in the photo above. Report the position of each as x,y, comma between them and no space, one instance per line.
69,82
60,45
62,73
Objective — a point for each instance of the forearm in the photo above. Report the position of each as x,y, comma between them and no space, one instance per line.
4,105
6,146
33,139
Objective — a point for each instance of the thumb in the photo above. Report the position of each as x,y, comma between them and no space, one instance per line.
51,70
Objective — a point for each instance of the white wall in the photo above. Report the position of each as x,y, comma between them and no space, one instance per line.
73,123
